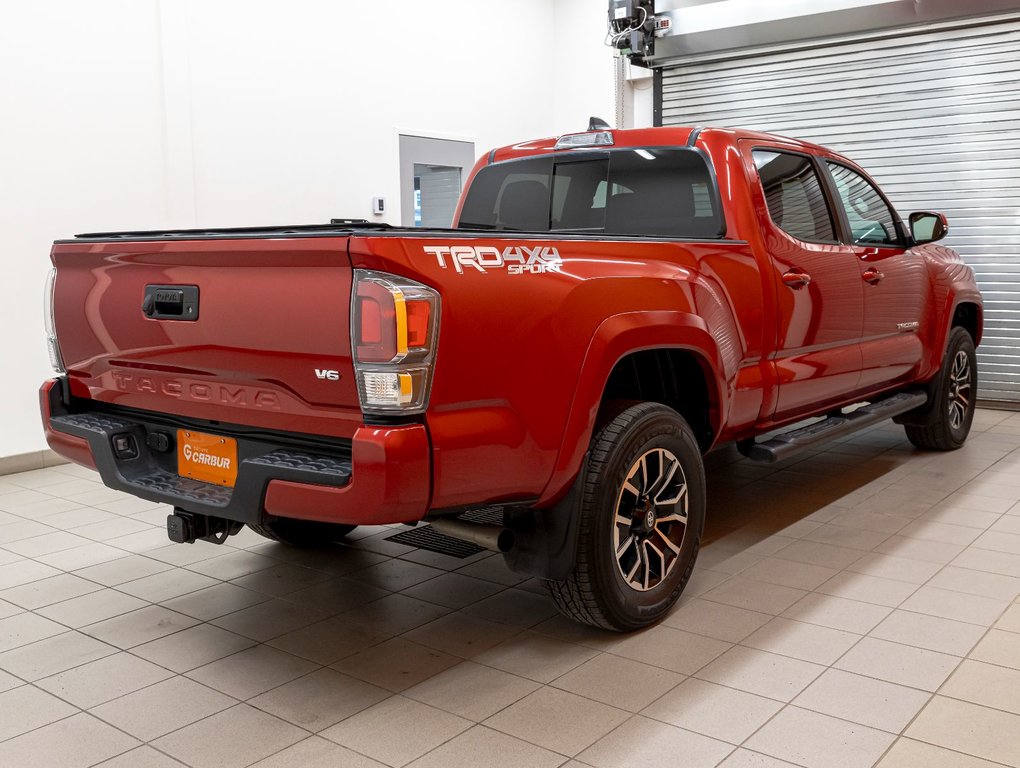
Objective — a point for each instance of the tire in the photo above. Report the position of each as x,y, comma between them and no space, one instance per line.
301,533
948,418
612,586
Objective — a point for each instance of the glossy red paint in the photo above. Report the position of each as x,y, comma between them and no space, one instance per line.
522,360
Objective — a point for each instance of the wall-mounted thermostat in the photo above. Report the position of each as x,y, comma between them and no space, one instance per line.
378,205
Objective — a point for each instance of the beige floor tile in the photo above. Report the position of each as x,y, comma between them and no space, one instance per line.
472,691
713,710
969,728
819,741
161,708
867,589
837,613
397,730
141,626
396,575
234,565
535,656
669,648
328,641
863,700
955,605
396,664
808,642
26,708
91,608
267,620
281,579
907,753
453,590
484,744
53,655
643,743
716,620
788,573
847,537
462,635
1010,620
619,682
123,569
557,720
232,738
82,557
75,742
166,585
920,549
998,647
755,595
745,758
765,674
216,601
999,541
514,606
317,752
991,562
141,757
900,664
897,568
24,628
336,595
320,699
102,680
818,553
977,583
23,572
192,648
394,614
931,632
946,533
985,684
252,671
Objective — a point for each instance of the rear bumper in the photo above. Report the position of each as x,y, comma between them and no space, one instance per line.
380,476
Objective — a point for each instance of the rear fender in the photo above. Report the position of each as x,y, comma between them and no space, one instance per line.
615,338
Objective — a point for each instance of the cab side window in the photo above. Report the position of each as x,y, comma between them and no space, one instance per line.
793,194
872,222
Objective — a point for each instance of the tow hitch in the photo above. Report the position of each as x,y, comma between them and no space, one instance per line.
187,527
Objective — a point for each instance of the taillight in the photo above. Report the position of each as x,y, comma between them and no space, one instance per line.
56,361
394,325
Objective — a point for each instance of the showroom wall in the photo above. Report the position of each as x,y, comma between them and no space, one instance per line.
178,113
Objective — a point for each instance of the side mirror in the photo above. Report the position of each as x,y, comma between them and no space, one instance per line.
927,227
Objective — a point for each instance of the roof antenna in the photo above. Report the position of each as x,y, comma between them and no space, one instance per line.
598,124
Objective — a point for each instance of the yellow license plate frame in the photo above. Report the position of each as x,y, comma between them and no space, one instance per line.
207,458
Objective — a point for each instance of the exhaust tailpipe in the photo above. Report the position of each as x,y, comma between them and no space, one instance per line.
492,537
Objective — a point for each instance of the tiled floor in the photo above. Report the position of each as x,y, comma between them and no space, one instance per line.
851,608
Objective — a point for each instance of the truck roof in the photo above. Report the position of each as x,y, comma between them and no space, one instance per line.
648,137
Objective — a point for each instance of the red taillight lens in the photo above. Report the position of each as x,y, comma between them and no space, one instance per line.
375,323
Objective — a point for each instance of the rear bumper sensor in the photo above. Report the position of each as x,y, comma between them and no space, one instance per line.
790,443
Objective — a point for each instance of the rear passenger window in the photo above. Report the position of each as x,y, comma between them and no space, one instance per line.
793,194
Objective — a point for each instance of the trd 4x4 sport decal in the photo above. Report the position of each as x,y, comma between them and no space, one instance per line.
515,259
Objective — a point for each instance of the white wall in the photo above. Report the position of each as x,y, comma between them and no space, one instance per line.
178,113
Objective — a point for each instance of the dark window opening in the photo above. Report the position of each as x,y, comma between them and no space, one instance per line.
793,194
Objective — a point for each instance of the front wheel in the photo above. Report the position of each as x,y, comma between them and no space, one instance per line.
951,410
301,533
642,512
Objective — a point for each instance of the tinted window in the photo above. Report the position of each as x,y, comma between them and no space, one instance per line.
871,220
794,195
653,192
510,196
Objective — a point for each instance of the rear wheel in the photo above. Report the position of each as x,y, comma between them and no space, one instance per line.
642,513
951,410
301,533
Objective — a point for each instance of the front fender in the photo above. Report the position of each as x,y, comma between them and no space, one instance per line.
615,338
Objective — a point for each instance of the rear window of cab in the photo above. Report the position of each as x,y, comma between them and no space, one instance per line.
654,192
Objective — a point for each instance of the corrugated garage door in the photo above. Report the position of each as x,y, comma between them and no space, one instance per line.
935,117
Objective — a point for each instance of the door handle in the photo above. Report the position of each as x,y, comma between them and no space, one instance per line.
872,276
796,279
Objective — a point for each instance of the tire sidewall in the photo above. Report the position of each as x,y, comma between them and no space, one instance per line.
660,427
959,341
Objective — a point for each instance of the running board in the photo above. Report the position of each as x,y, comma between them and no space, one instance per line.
787,444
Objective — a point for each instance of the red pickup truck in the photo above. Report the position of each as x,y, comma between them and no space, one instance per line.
609,306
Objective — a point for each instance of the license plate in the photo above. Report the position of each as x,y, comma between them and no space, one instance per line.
208,458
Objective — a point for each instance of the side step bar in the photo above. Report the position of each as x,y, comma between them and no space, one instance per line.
787,444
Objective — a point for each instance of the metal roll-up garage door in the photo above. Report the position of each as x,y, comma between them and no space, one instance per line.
934,116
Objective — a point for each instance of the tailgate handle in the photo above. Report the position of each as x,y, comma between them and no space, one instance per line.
171,302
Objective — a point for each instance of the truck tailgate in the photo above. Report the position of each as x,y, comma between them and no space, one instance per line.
269,345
